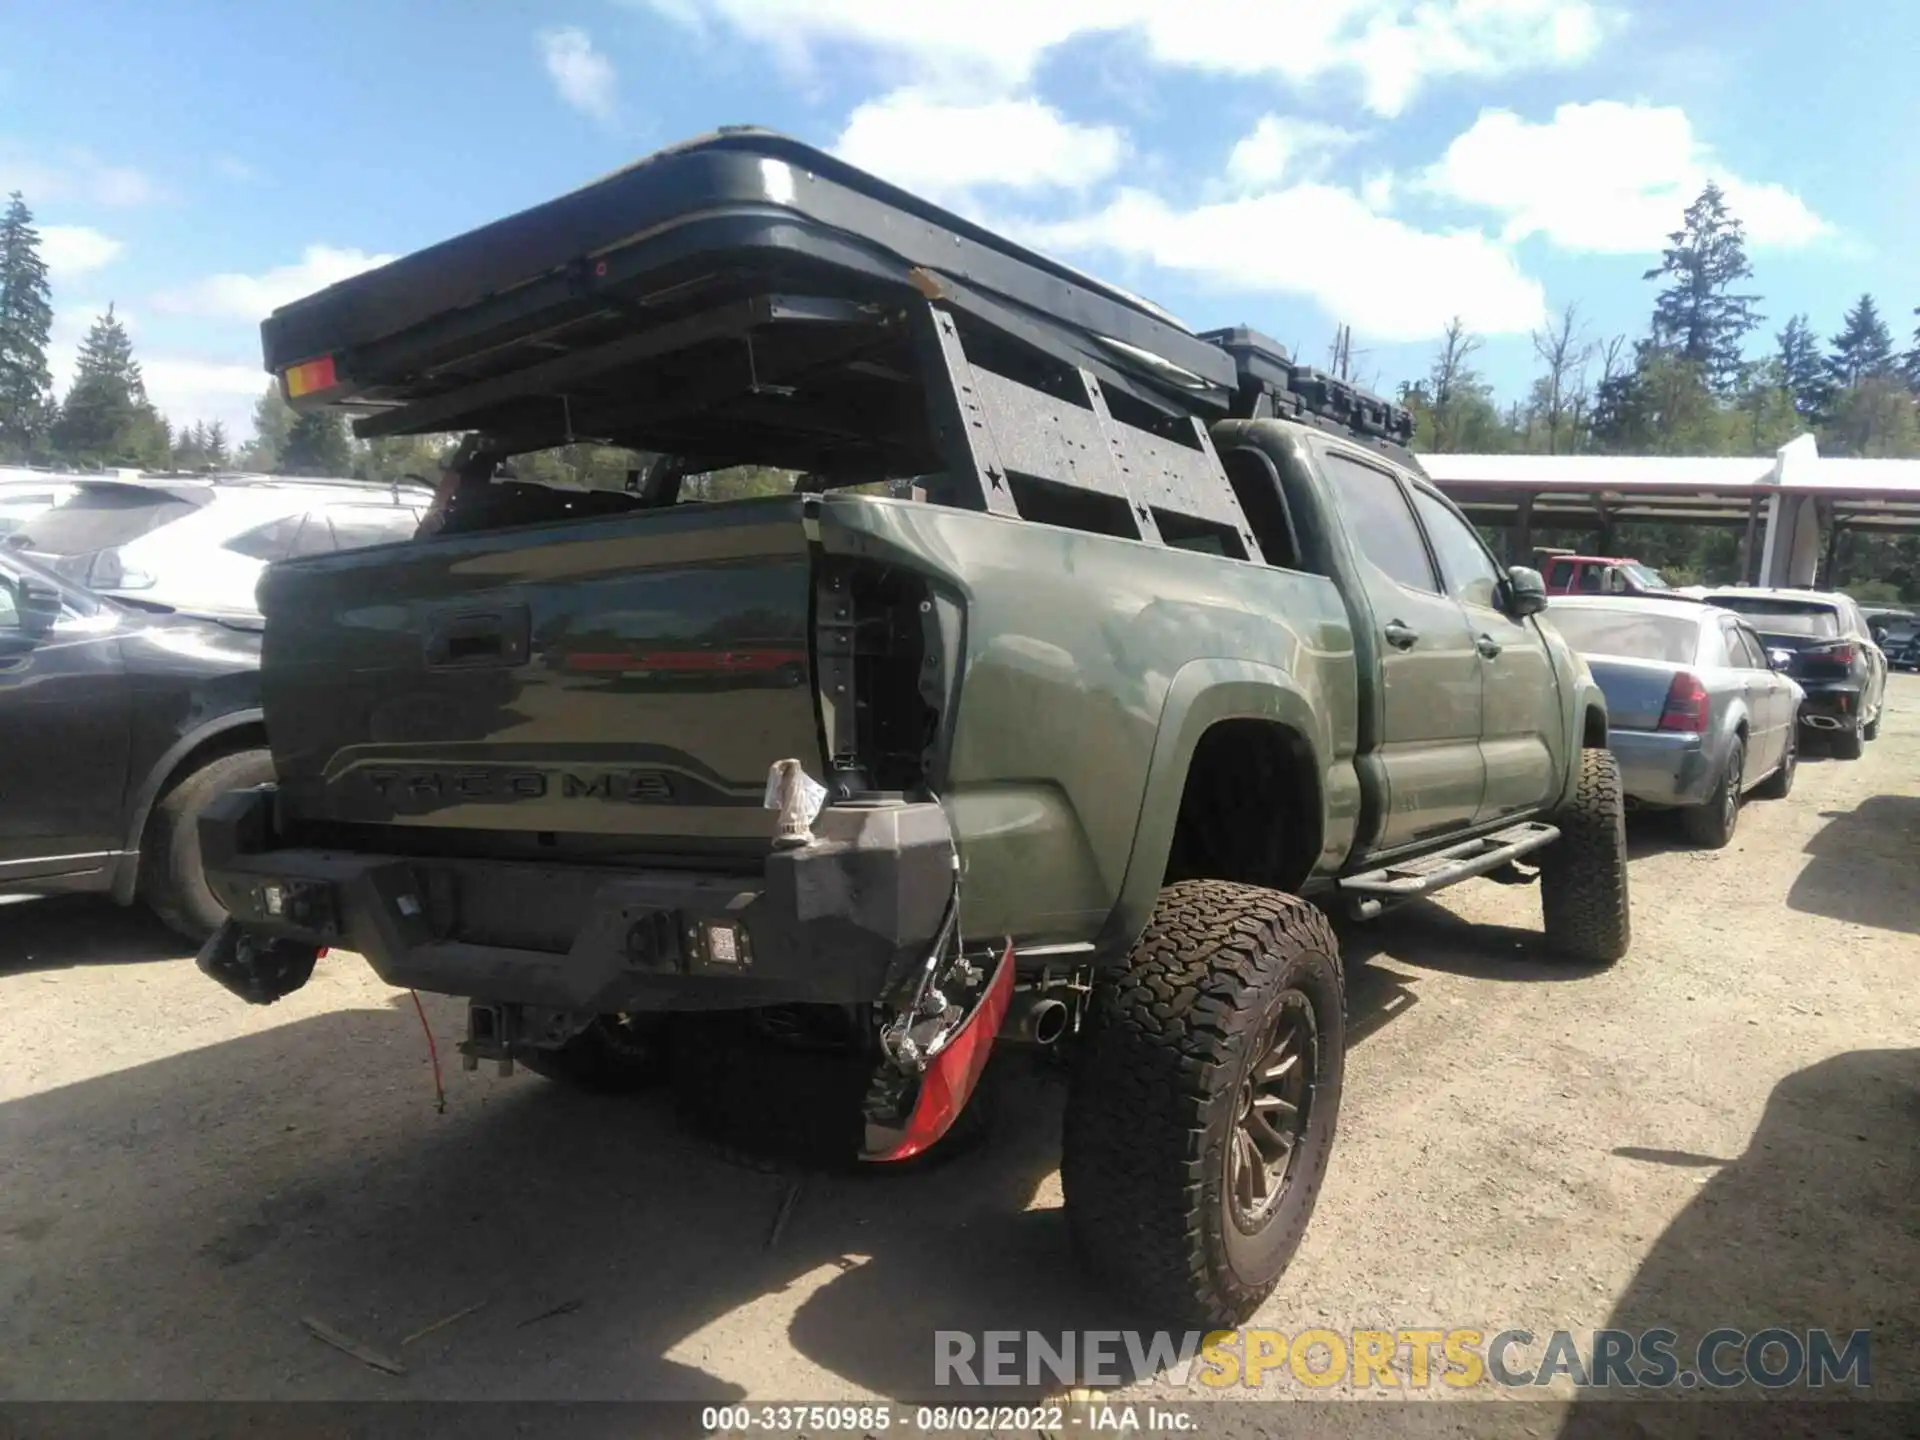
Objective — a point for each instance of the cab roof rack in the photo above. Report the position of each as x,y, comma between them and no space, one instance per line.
1272,386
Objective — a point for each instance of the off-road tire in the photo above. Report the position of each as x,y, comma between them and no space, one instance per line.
1710,825
1779,785
1583,874
616,1054
171,881
1157,1090
1847,744
1871,730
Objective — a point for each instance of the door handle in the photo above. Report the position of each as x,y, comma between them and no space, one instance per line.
479,639
1400,636
1487,646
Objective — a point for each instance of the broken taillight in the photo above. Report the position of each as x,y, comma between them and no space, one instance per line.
949,1079
1687,707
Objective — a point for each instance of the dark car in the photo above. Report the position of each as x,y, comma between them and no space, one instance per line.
1828,648
117,725
1897,633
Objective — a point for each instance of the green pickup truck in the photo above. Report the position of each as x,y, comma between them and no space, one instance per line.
1088,665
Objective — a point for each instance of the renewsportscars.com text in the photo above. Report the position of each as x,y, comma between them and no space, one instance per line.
1406,1358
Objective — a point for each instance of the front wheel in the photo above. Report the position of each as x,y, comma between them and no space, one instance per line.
1779,785
1583,874
1203,1104
1711,825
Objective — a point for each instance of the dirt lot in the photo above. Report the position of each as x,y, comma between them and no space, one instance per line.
1721,1130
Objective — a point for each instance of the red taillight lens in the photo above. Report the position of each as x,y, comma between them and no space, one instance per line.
948,1082
1686,707
1838,654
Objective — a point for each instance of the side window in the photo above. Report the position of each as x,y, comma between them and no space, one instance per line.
1381,523
1755,649
1590,578
316,535
1469,572
271,541
357,526
1738,655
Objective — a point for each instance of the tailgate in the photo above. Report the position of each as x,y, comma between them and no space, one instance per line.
614,684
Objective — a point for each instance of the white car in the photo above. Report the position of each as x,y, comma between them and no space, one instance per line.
24,495
201,545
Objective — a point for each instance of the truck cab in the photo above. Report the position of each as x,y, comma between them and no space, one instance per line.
1601,575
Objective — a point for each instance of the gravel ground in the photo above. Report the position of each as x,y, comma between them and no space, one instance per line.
1720,1130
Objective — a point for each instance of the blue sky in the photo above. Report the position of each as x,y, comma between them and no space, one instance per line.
1282,164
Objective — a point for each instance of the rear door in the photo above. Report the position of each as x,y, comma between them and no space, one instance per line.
1430,670
65,723
1522,713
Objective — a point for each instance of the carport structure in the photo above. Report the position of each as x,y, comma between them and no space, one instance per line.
1792,506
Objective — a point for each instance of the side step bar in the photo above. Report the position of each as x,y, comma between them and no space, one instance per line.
1370,890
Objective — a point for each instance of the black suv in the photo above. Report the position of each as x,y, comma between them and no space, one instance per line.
1822,640
117,725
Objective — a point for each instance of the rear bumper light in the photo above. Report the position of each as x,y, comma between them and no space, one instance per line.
949,1080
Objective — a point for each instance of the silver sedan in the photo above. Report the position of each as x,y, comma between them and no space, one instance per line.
1696,712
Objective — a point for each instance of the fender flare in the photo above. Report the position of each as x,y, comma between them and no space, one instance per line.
1204,693
126,872
1587,695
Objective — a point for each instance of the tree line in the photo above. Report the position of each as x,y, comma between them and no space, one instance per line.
1692,384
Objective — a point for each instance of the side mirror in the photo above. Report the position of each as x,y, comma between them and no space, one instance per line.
1780,659
1526,592
39,605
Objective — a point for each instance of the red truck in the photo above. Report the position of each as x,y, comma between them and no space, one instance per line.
1568,574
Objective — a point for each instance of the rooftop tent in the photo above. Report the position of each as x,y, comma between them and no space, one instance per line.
742,296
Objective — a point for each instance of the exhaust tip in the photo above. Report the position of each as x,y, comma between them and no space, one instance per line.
1048,1022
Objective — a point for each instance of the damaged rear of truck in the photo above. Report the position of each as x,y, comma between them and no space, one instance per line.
1028,715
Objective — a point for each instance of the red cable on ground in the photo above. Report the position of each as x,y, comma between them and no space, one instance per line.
433,1053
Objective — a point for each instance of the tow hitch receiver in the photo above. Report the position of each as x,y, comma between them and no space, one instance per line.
947,1082
259,969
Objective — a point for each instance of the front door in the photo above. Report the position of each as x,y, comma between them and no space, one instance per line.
1523,727
1768,701
1430,726
64,732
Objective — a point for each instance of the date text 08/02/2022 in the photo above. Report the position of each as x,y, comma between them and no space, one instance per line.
940,1419
1403,1357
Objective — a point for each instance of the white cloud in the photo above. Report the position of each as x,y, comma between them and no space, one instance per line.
253,297
1281,147
232,167
583,76
1393,47
76,176
71,250
1387,279
1607,176
945,150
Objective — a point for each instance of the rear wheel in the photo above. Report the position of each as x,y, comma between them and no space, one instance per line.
172,881
1871,730
1204,1100
1779,785
1711,825
1583,874
1847,744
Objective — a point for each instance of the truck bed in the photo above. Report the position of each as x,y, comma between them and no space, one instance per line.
640,257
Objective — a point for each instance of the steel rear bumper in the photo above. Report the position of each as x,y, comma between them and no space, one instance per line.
845,919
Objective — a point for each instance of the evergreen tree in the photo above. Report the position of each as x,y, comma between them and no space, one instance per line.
214,444
317,445
1910,362
1863,348
272,419
26,320
106,418
1802,370
1698,316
